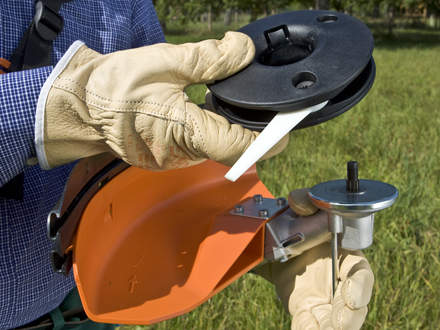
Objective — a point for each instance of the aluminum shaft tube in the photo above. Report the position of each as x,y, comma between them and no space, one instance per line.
335,265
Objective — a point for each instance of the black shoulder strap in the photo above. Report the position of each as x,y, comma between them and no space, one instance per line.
35,47
34,51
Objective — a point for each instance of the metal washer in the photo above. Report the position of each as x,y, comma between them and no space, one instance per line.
373,196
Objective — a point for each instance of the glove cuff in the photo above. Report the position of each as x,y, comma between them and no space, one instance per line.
60,134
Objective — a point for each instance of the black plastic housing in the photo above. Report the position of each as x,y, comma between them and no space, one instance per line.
302,58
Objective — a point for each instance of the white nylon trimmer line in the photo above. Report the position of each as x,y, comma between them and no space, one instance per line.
278,127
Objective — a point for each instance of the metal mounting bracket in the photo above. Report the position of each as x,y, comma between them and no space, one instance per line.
260,207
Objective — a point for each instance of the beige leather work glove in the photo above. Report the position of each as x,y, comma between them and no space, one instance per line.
304,283
132,103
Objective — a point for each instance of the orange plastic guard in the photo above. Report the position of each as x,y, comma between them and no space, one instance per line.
154,245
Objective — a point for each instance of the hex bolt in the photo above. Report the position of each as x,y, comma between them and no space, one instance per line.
281,201
263,213
238,209
258,199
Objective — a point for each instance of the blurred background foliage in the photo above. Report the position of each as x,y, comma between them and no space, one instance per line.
392,12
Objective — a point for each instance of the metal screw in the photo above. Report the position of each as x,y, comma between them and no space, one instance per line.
263,213
281,201
238,209
258,199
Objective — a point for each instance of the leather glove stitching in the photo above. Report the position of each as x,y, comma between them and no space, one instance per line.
193,123
89,92
58,83
124,110
350,299
187,124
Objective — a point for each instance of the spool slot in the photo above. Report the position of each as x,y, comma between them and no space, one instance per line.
282,48
275,39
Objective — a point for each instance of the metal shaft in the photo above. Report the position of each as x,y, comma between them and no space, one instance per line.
335,264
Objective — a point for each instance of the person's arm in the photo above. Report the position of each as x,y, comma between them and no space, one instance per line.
19,93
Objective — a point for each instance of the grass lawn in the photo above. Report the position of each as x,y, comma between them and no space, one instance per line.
394,134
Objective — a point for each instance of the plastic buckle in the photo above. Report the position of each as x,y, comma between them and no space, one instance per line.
48,23
61,264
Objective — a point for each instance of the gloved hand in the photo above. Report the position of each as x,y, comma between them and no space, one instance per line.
132,103
304,283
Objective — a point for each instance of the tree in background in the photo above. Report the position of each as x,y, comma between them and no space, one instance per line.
204,10
258,7
322,4
431,10
231,8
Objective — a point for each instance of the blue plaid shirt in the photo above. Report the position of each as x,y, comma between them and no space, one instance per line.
28,286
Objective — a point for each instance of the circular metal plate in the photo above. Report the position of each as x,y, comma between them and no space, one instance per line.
348,98
373,196
335,49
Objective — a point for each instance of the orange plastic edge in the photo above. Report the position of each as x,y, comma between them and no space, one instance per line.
154,245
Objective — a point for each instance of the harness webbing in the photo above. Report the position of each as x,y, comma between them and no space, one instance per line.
33,51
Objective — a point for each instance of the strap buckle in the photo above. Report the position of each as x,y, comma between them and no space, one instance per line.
61,264
48,23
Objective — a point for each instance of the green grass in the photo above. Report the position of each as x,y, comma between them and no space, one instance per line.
394,134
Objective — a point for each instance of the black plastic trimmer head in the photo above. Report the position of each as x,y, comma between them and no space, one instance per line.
302,58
